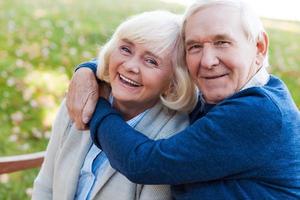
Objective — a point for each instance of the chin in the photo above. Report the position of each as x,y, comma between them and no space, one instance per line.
214,99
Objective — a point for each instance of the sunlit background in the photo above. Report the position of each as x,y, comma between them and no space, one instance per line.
284,10
41,41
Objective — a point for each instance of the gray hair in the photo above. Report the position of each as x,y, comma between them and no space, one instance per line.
251,23
160,31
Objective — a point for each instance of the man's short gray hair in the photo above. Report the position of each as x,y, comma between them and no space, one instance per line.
251,23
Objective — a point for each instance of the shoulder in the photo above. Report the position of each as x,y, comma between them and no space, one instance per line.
250,110
62,119
255,101
273,99
161,123
62,125
256,112
176,122
266,98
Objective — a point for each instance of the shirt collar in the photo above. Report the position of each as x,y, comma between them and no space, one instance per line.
259,79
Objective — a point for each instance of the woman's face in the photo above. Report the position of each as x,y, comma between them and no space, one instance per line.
137,75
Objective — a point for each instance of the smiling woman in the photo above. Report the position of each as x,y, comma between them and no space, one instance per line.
142,67
145,57
41,42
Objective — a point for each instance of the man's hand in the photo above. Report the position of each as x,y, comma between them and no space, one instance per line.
82,97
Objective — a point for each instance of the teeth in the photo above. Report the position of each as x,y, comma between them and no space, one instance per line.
130,81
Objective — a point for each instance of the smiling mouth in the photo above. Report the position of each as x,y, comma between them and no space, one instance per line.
128,81
214,77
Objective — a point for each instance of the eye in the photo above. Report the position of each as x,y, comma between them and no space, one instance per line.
222,43
194,48
125,50
151,61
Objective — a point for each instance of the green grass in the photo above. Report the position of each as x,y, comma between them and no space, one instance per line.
284,53
40,43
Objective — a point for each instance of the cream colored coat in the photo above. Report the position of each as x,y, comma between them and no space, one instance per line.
66,153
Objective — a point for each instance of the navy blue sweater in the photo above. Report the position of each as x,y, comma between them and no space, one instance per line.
245,147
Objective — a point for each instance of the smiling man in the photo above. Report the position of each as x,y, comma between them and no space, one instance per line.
227,56
243,141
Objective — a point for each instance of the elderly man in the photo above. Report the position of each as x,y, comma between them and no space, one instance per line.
244,137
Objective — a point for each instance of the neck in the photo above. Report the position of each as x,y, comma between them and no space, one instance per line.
130,110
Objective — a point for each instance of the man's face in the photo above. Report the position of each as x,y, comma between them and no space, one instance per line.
219,56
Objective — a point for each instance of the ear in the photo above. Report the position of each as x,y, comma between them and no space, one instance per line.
262,47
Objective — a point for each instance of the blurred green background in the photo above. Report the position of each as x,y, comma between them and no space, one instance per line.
41,42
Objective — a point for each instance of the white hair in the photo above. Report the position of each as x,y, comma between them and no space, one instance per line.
251,23
160,31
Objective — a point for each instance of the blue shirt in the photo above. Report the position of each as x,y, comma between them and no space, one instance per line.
94,164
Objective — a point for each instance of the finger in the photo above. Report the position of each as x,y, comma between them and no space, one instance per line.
76,99
89,107
70,99
80,126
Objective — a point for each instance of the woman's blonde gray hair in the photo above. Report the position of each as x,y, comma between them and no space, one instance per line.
160,31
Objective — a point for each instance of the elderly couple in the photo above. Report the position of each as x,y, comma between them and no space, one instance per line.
154,135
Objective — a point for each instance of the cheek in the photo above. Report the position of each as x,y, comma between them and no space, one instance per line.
191,62
114,62
188,60
159,81
110,69
238,76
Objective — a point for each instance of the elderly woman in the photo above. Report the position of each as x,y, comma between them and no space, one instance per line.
140,64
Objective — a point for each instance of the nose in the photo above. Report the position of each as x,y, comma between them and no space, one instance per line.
209,58
132,65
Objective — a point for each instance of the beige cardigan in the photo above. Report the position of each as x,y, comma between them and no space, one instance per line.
68,147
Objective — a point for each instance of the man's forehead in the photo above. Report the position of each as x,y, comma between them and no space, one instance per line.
216,13
222,22
218,8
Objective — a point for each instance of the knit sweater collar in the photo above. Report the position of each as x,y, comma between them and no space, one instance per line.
259,79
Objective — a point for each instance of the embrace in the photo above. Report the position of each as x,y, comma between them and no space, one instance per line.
183,108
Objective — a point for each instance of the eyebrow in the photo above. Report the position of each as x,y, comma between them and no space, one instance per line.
214,37
127,41
146,52
152,54
222,37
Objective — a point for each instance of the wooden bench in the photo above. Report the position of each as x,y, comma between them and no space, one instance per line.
9,164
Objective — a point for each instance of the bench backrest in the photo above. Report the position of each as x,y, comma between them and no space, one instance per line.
11,164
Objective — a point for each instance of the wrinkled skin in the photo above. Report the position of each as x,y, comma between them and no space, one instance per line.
82,97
